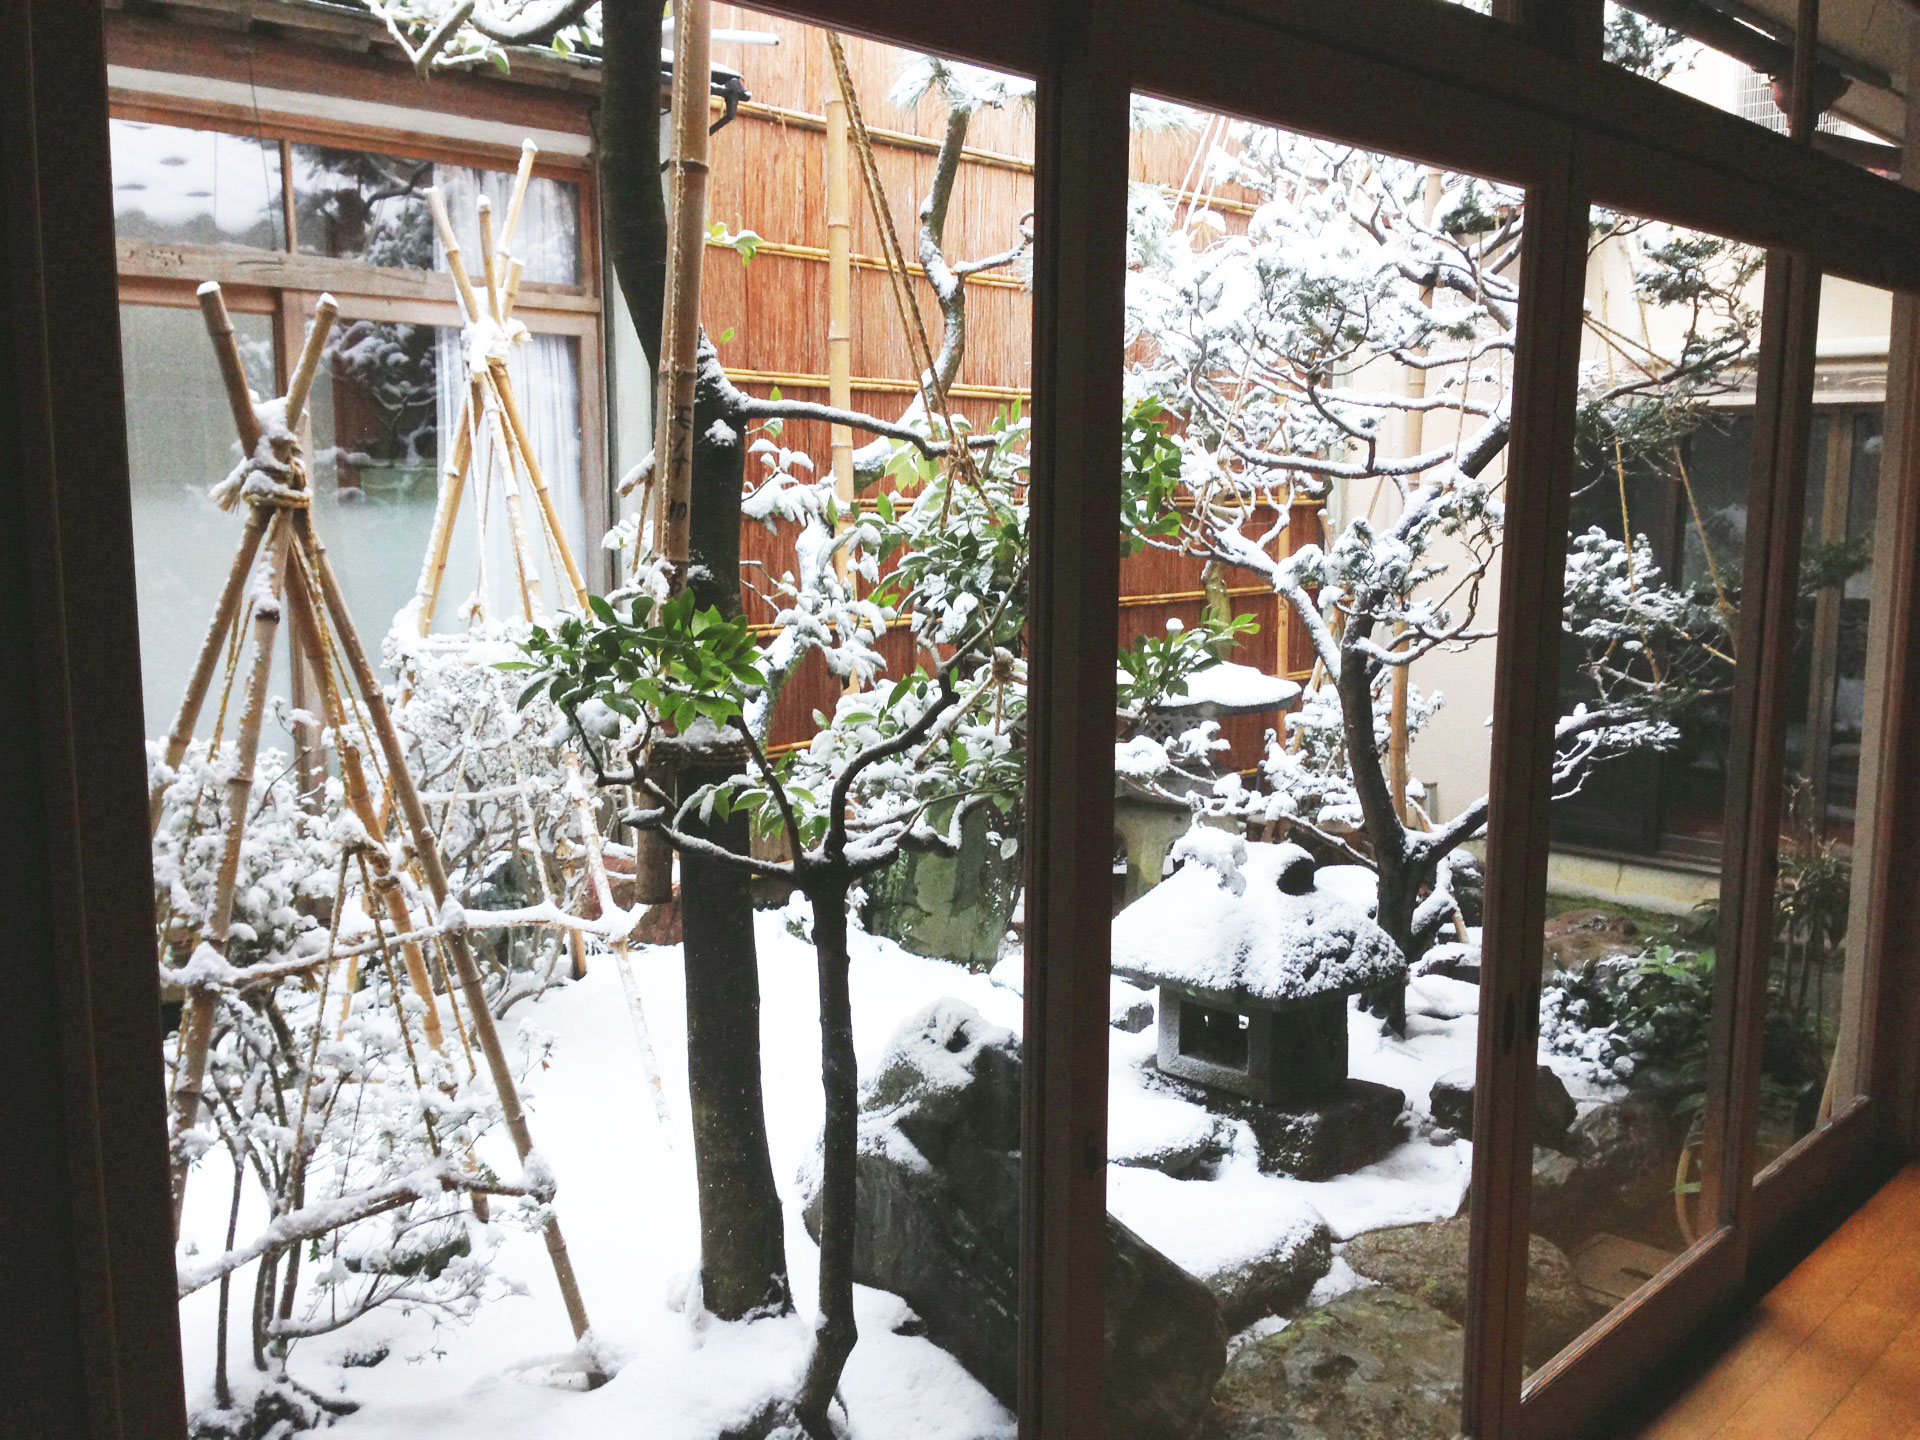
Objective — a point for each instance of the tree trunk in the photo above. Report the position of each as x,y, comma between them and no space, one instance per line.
1385,834
835,1333
634,202
743,1260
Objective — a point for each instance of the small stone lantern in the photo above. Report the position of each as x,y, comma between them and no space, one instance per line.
1254,964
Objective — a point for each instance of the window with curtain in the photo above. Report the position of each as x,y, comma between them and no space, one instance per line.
389,390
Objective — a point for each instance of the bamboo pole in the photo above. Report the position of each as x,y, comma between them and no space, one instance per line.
522,177
325,310
246,422
188,715
489,266
840,306
196,1023
510,291
437,207
523,441
622,958
233,373
679,350
359,798
453,484
427,850
523,560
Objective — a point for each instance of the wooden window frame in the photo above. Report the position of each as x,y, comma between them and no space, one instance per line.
1523,98
162,273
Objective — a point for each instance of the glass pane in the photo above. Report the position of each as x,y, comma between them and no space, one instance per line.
356,205
180,443
1815,988
390,396
195,187
1656,551
1314,463
548,237
670,1053
353,205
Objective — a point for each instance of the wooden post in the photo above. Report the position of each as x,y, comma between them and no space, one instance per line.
679,350
840,305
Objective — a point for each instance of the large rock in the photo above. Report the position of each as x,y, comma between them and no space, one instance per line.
951,907
1451,1101
938,1225
1576,939
1358,1124
1429,1262
1369,1365
1349,1130
1277,1281
1629,1153
1617,1176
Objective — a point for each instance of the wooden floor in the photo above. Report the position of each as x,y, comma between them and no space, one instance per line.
1833,1353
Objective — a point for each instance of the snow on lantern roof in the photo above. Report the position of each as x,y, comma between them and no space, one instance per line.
1228,923
1227,688
1233,686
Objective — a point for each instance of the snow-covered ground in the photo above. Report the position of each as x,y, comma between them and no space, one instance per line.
627,1205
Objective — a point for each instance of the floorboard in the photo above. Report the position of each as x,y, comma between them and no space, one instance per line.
1832,1352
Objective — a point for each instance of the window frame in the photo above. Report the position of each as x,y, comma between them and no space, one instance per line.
1524,97
163,273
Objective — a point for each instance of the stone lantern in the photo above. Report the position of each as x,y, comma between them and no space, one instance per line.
1254,963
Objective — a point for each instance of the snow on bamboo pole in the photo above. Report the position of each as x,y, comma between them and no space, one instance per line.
673,457
427,850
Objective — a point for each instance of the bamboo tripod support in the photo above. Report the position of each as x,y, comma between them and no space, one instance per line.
296,571
489,311
492,409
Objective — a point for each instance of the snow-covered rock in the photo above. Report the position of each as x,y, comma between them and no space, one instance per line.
938,1199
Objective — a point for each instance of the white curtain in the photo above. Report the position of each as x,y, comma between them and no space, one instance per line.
548,237
545,372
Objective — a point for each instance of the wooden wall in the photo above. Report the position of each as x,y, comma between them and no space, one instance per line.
769,176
